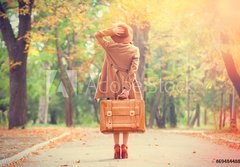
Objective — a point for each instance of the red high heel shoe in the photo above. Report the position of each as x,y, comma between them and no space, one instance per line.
124,151
117,151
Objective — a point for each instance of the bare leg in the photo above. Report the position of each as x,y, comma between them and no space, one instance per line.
116,146
125,138
116,137
124,146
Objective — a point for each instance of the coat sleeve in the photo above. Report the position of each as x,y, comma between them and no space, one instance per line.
132,71
100,37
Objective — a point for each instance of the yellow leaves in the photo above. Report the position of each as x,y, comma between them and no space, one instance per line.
5,66
209,84
71,16
27,38
84,69
49,21
37,24
26,49
70,58
83,8
67,30
133,12
41,37
41,6
13,65
50,49
26,1
35,153
221,78
4,15
33,51
169,78
24,10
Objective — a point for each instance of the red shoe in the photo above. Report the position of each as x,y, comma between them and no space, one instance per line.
124,151
117,151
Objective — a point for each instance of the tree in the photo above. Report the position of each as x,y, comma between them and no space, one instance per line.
228,35
65,29
196,116
17,51
232,71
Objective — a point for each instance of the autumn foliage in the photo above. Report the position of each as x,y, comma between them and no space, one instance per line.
190,66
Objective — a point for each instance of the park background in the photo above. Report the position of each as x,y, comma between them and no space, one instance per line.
189,61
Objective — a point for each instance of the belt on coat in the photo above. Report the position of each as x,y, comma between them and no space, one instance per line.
118,68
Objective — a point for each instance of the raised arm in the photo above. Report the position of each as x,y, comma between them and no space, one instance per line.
107,32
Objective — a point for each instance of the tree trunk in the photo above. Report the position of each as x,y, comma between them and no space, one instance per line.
68,89
155,102
43,103
224,117
53,117
155,111
205,117
152,115
145,95
188,98
196,116
232,71
233,117
173,118
96,112
158,118
71,79
140,39
221,112
17,115
3,118
69,100
69,111
17,52
43,110
162,123
95,106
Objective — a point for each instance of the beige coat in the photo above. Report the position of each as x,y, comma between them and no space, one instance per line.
119,71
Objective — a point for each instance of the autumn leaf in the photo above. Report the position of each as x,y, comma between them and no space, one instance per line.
35,153
77,161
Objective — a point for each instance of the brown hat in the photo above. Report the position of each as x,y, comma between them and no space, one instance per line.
126,37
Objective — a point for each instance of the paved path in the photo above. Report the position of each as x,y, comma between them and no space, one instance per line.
152,149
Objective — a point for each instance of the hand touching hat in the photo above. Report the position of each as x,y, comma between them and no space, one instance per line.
123,33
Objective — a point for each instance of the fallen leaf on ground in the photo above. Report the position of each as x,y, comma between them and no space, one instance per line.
77,161
35,153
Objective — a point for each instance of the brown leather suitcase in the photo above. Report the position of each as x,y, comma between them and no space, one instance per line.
122,116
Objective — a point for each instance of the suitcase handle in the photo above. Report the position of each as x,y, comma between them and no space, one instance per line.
124,99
